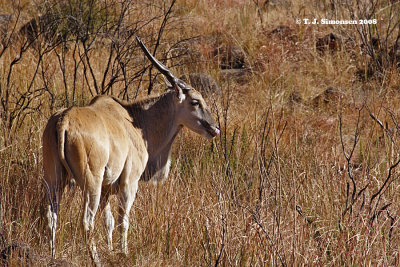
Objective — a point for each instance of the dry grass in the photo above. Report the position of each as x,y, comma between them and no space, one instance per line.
272,189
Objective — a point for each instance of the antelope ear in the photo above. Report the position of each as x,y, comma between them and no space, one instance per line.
179,93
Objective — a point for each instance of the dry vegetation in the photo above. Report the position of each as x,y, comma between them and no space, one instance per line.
304,171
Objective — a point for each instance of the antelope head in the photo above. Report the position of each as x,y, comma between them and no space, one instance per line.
191,109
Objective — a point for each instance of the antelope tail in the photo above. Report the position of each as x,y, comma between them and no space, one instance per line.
61,134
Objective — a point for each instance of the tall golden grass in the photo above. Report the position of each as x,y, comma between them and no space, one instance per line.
274,188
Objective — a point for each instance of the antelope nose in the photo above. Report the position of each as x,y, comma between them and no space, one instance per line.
215,132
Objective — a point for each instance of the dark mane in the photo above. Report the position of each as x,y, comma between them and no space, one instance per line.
141,104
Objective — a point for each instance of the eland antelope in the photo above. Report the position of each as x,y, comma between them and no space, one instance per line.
109,145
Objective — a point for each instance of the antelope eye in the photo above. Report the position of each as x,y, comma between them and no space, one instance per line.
195,103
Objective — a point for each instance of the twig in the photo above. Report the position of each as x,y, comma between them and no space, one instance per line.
391,168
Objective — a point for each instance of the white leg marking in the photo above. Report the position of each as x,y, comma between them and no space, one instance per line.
95,256
52,223
110,223
124,233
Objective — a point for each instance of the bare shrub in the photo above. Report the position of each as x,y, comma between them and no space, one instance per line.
378,30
